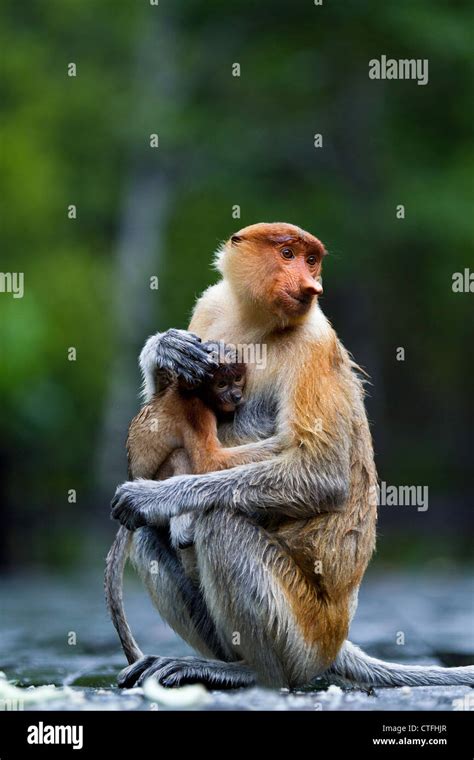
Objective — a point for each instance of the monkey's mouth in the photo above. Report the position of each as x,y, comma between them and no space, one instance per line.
230,406
299,303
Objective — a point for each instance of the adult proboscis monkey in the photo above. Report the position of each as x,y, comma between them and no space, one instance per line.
281,545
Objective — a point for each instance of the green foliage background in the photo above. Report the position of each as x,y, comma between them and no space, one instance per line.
143,69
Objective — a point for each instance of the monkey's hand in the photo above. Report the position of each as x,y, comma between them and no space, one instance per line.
141,502
176,352
129,505
135,503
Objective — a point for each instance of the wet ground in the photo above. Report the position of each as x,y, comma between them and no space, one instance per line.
55,631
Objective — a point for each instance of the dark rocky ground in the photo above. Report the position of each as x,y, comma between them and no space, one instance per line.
38,614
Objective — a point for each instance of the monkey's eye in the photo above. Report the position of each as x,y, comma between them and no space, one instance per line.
311,260
222,384
238,378
287,253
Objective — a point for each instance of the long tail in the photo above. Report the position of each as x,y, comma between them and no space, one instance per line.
113,584
353,665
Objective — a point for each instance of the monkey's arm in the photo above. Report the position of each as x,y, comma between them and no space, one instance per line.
288,485
256,451
207,454
220,458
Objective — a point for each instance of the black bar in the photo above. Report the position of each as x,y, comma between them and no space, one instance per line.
445,734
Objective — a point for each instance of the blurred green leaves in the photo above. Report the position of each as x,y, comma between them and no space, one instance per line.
227,141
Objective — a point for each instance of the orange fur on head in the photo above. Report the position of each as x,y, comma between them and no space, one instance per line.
274,268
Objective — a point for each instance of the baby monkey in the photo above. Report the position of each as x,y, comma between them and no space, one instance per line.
176,434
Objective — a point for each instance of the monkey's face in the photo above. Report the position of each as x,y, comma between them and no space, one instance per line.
227,387
275,266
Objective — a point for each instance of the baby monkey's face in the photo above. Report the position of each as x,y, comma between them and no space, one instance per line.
227,387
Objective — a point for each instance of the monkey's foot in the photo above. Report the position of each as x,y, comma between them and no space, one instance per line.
170,672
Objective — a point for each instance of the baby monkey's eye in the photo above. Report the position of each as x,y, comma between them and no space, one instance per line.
238,378
222,384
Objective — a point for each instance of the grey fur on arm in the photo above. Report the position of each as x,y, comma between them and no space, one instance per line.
290,484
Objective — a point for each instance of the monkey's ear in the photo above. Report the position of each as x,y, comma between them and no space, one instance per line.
235,239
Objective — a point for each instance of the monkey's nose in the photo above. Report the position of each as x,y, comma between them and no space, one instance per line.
311,289
236,397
